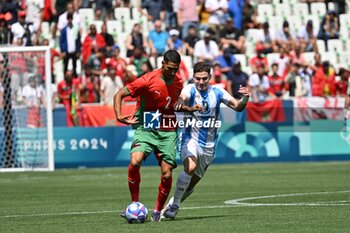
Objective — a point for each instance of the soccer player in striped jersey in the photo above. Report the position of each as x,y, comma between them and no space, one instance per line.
199,136
157,91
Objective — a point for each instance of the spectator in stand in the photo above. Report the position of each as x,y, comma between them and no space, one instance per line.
62,20
59,7
259,83
187,16
70,44
317,64
97,62
10,9
158,39
104,10
34,16
342,84
323,81
92,42
49,11
22,30
206,49
302,87
305,73
226,61
155,10
285,36
89,87
235,9
259,60
119,64
190,40
176,41
283,62
203,15
239,78
170,14
218,79
250,16
135,39
296,55
137,59
217,10
108,39
183,72
4,31
232,37
67,91
145,68
54,55
129,76
291,80
330,27
33,98
267,39
307,37
111,84
276,82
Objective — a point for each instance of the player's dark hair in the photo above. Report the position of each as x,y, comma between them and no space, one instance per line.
201,66
172,56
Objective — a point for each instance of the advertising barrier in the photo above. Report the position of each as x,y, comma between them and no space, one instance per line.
320,135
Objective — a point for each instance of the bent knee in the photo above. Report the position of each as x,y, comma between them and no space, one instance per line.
136,161
166,175
190,169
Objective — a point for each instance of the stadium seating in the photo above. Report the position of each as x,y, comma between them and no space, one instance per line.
283,10
300,9
318,9
98,24
335,46
265,11
242,59
122,13
321,46
271,57
309,57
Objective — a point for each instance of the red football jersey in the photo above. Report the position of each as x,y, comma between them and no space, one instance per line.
64,90
156,93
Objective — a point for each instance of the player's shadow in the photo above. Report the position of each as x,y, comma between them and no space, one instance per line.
196,217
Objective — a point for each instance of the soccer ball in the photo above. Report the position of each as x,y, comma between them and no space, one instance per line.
136,212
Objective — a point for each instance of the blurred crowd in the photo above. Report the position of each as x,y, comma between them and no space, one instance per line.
96,64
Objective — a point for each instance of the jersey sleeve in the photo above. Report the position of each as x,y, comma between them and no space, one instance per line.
186,91
137,87
225,97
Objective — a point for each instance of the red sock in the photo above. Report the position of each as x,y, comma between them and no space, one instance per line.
163,193
134,181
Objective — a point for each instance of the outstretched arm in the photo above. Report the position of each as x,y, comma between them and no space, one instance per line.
118,97
181,107
239,105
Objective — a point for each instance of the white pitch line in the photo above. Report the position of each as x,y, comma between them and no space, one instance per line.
239,202
229,204
104,212
58,214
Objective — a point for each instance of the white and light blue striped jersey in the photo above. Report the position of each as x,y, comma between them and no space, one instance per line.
203,126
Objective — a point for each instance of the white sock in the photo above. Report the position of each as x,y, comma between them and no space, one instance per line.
181,186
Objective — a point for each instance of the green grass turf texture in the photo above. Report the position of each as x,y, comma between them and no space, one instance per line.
90,200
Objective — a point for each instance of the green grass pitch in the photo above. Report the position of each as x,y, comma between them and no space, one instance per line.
270,197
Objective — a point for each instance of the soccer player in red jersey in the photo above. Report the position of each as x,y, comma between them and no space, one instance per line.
157,91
